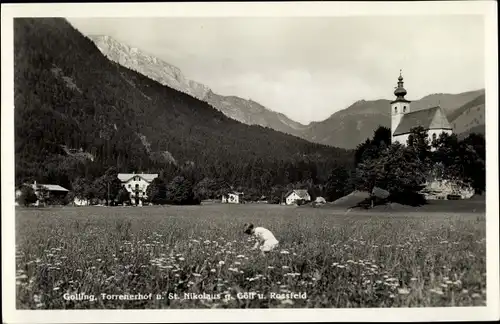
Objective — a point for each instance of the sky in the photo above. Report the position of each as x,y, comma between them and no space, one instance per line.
310,67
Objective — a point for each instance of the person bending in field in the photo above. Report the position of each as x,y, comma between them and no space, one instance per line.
265,239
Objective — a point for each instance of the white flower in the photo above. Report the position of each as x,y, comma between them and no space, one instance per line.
284,252
221,262
403,291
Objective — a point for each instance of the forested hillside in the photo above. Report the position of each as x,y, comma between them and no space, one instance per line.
77,114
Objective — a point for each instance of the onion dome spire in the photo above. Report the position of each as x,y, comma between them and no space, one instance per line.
400,91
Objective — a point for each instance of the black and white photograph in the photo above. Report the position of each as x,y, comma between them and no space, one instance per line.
208,161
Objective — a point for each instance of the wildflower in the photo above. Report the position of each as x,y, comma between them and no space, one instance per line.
285,267
221,262
237,263
181,259
335,264
465,291
475,295
437,291
56,288
196,274
213,270
270,267
413,279
444,286
392,296
287,302
240,256
284,252
341,266
403,291
37,298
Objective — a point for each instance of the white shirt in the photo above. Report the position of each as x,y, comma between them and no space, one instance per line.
264,235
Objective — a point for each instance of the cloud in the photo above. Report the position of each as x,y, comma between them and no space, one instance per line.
311,67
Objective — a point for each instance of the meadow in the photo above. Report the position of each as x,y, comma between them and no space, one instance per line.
327,258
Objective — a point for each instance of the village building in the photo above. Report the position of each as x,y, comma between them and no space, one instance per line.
403,119
233,197
293,196
137,184
46,193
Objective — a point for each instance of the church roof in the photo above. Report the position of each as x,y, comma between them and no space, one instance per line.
431,118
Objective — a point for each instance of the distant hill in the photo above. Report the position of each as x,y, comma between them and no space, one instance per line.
70,98
349,127
345,128
245,111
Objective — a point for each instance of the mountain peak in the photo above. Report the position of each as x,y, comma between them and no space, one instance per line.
148,65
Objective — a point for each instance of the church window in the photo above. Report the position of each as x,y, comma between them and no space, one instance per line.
396,110
434,136
404,109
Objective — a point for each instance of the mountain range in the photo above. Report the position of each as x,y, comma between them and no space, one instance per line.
345,129
78,113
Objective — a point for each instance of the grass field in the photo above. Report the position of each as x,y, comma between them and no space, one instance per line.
362,259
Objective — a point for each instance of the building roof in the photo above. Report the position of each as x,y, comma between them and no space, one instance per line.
237,193
431,118
49,187
302,193
124,177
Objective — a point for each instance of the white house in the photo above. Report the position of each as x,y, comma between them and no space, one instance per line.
433,120
137,184
292,196
231,198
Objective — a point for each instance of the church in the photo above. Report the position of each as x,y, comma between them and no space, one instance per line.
403,119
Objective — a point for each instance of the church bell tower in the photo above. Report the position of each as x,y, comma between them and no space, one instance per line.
399,106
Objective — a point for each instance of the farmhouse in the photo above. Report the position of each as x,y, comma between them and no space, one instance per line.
292,196
46,193
137,184
433,120
231,197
